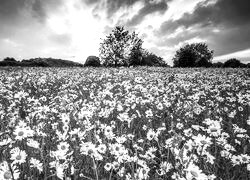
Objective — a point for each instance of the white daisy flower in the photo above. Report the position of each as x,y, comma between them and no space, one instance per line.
179,125
59,171
193,172
87,148
5,172
214,129
33,143
149,113
102,148
117,149
202,140
18,156
108,166
65,118
34,163
5,142
159,106
166,167
108,132
22,132
151,134
63,147
142,173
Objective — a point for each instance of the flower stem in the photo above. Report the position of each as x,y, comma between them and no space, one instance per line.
95,167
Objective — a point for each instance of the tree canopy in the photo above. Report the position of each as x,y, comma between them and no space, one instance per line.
233,63
9,59
122,48
193,55
119,46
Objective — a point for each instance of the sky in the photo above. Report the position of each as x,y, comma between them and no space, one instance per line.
73,29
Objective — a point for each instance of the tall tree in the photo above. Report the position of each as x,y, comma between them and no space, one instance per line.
119,47
234,63
193,55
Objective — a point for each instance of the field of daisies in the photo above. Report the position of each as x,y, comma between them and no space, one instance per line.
124,124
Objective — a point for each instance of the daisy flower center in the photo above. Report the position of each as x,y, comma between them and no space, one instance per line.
18,157
244,159
20,133
90,151
194,174
203,142
63,147
213,129
7,175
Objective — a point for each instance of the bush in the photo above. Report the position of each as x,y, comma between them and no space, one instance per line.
92,61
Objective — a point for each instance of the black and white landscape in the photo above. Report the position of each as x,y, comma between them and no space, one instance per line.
124,89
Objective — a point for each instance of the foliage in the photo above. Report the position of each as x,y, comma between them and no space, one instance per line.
127,123
9,59
218,65
41,62
119,47
193,55
92,61
147,59
150,59
233,63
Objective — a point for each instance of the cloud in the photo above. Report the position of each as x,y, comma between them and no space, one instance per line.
90,2
16,9
10,9
242,55
61,39
110,6
41,8
149,8
223,23
225,12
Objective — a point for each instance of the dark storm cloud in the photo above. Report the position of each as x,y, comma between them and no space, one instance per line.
10,9
231,17
224,12
113,6
110,6
41,8
13,9
146,10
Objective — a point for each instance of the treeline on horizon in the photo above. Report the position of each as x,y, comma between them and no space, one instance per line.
122,48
